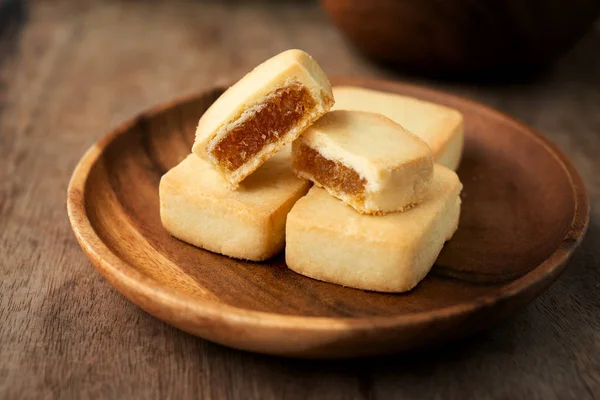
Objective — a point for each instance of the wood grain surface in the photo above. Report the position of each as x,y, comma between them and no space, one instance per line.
71,71
524,210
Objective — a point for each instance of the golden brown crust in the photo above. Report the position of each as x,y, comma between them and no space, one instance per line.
244,99
366,160
197,207
329,241
439,126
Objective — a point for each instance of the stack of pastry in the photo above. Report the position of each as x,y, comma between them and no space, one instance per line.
380,209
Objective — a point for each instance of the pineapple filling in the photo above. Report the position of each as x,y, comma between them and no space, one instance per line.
281,112
328,172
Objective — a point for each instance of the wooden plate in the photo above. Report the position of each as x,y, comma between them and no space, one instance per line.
525,210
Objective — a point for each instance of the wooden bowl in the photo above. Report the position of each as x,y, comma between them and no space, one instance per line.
524,212
469,39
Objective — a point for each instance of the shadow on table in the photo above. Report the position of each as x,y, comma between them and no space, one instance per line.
13,14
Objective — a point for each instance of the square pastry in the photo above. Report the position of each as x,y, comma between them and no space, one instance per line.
197,206
439,126
366,160
329,241
265,110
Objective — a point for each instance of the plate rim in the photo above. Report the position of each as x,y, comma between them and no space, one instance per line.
121,274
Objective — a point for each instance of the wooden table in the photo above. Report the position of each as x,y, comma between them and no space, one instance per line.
69,71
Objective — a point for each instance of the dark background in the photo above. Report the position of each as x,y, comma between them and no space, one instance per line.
69,71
